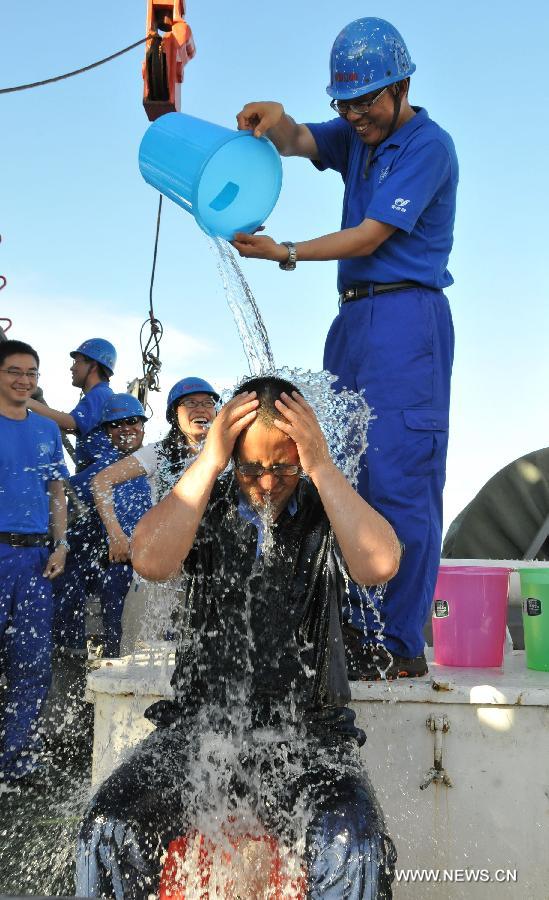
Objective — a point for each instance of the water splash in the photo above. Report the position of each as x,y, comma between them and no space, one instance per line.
344,416
266,514
40,819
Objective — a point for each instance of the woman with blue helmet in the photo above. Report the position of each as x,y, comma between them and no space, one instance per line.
393,335
190,410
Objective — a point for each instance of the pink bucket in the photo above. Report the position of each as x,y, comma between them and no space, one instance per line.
470,616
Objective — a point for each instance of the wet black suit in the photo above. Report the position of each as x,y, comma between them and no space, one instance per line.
261,654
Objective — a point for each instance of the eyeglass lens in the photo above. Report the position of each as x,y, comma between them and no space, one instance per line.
19,373
196,404
361,106
280,470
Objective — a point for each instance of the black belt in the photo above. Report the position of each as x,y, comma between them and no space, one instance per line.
370,290
23,540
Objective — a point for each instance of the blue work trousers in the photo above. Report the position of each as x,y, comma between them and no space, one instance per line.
84,577
155,797
26,612
397,348
71,591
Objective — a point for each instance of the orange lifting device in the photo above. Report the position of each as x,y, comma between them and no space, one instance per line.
166,56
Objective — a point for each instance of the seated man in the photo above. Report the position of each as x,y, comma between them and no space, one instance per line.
267,551
88,569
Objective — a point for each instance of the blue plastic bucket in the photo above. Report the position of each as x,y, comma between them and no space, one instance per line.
228,180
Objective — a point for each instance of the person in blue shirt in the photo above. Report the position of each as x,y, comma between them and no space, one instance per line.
88,568
393,336
93,366
32,506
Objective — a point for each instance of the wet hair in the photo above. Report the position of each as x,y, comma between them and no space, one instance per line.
10,348
268,389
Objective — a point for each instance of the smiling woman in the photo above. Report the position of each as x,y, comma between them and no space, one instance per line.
190,410
195,413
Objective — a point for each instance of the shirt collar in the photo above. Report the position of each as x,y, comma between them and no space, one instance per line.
250,514
403,133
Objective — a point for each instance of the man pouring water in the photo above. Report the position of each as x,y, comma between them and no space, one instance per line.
267,550
393,335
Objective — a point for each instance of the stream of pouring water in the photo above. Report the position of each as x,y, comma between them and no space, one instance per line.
249,323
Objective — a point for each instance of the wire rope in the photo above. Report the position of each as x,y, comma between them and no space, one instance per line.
100,62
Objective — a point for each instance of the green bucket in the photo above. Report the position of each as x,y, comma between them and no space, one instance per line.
534,588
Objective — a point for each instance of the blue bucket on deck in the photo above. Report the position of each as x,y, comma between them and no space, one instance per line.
228,180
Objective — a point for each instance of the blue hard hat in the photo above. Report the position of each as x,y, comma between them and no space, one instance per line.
368,54
122,406
186,386
99,350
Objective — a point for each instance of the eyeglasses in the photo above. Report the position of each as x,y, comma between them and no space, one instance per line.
209,403
255,470
343,108
119,423
32,374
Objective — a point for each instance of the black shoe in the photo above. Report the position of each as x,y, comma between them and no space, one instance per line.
375,662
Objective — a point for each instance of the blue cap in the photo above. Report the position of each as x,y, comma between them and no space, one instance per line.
190,385
99,350
122,406
367,54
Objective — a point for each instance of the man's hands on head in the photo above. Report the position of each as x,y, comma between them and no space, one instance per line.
368,543
232,419
300,423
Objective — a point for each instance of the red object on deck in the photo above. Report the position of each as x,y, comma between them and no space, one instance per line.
176,871
170,46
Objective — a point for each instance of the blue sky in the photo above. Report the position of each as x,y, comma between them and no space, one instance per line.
77,220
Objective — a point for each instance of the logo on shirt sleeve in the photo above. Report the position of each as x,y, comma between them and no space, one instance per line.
400,205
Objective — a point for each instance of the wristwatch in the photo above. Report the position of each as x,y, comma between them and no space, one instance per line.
62,542
290,263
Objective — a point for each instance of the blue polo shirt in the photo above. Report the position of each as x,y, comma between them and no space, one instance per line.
91,440
411,183
132,498
31,455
